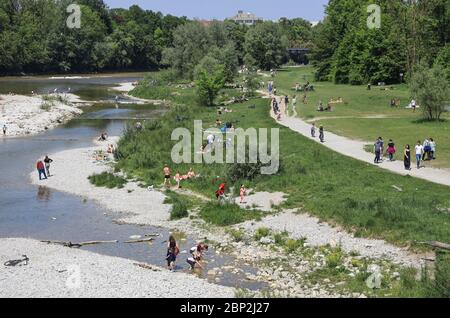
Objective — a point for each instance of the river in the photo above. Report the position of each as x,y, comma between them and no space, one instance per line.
41,213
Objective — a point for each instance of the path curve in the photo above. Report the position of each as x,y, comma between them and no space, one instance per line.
355,149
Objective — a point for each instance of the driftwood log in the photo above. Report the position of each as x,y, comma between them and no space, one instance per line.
139,241
436,244
146,266
78,245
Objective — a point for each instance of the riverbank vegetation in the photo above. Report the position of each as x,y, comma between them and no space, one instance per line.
333,187
108,180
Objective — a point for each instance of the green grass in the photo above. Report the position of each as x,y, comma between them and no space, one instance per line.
108,180
180,205
226,214
399,124
333,187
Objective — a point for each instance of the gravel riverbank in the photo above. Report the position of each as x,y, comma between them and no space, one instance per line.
52,272
28,115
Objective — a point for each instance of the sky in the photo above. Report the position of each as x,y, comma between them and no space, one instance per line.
312,10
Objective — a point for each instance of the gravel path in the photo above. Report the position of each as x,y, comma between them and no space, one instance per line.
70,170
51,272
355,149
263,201
318,234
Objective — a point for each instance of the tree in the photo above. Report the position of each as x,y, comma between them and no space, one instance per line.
430,88
443,61
265,46
210,80
190,45
252,83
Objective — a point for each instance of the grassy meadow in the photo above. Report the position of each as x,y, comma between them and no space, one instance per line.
366,115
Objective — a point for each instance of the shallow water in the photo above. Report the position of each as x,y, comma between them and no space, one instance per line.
45,214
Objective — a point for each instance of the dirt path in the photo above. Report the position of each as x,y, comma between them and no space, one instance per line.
355,149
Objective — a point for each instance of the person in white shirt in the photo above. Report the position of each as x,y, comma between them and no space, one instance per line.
419,152
413,105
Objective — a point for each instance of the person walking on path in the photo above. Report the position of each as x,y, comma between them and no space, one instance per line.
242,193
426,150
321,134
433,149
286,104
419,153
47,162
4,130
294,101
407,157
391,150
377,149
166,172
41,169
172,251
313,130
382,148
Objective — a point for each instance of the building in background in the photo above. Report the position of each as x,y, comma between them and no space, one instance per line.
245,18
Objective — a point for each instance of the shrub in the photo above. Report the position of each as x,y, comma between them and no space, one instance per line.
292,245
108,180
237,235
179,206
226,214
261,232
334,258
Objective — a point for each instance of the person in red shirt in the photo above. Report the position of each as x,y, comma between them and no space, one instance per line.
41,169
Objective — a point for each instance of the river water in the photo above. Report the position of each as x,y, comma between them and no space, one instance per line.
41,213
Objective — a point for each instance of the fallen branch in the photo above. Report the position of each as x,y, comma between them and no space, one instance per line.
139,241
78,245
437,245
152,235
146,266
397,188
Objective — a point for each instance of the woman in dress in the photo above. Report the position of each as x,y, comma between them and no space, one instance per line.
407,157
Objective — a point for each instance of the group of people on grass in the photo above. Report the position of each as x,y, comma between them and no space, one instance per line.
423,151
195,258
178,176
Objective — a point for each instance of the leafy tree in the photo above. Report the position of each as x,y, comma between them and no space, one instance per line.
265,46
443,61
252,83
210,80
430,88
190,45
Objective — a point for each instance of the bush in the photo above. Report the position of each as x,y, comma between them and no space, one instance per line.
292,245
226,214
261,232
179,207
237,235
108,180
243,171
334,258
